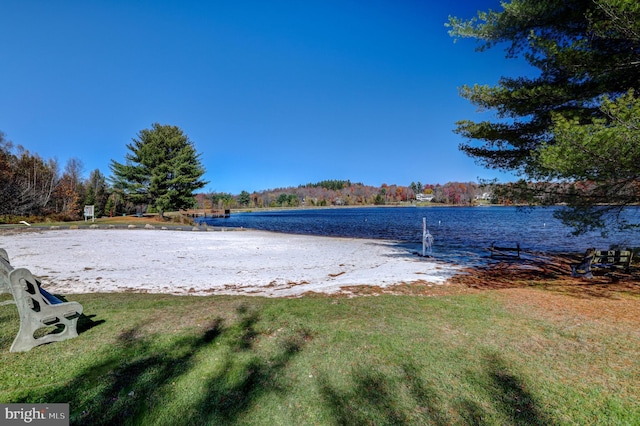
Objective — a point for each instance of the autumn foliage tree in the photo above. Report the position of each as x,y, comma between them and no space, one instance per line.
27,181
68,190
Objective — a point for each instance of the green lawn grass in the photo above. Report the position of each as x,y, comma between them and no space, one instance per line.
464,359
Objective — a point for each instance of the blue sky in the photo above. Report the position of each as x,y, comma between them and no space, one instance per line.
272,93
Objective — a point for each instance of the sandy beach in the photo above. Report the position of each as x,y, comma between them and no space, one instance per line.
204,263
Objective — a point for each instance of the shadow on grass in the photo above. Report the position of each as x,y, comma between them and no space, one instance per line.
509,398
374,397
234,391
129,384
86,323
513,399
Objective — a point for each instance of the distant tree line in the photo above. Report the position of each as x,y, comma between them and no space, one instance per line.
346,193
334,185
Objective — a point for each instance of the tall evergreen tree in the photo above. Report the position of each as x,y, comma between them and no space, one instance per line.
96,192
244,198
586,52
163,169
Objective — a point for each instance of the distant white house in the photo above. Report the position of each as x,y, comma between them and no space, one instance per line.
424,197
484,196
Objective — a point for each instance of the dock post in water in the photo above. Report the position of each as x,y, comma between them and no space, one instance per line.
427,238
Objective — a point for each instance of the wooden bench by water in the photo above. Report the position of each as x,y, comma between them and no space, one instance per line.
609,261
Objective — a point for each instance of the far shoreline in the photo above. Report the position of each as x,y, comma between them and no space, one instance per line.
368,206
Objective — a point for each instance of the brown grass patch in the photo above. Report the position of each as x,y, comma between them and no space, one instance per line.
545,284
560,306
415,288
539,282
550,271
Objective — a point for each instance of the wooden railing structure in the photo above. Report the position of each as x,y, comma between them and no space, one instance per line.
205,213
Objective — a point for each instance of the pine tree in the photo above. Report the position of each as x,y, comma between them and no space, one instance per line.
162,170
586,53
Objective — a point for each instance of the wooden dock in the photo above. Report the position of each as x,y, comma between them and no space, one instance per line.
204,213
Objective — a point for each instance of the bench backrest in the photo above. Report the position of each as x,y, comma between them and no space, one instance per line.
5,270
5,286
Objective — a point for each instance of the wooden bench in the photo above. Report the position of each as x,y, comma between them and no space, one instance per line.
37,308
512,252
598,260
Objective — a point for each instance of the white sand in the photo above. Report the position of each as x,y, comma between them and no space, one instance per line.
202,263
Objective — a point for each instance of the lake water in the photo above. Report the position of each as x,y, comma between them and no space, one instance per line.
461,234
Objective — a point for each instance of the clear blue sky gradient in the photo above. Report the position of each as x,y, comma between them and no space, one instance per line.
272,93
